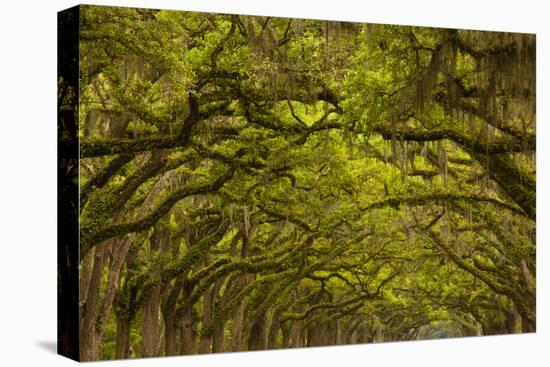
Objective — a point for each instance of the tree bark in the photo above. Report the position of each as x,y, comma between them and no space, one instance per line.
285,340
149,327
218,339
89,345
217,331
120,251
296,334
169,316
122,343
257,338
151,304
274,329
237,331
338,331
188,335
205,342
86,275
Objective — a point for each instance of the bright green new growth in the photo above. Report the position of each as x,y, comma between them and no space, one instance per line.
253,183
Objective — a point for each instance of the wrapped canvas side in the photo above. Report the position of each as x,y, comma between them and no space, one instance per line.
67,184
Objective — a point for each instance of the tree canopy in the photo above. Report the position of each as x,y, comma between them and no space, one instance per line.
252,182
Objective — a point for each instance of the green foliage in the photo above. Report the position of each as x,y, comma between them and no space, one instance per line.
316,173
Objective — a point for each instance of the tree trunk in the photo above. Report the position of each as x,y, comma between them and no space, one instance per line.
125,311
169,316
237,342
149,327
205,342
237,332
230,291
274,329
170,334
312,336
86,275
89,345
285,341
122,344
338,331
218,340
257,338
188,335
120,251
159,241
296,335
528,325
